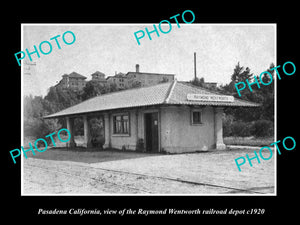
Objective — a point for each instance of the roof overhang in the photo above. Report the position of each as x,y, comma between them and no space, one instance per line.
171,93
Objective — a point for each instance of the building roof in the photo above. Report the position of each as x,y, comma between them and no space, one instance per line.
142,73
76,75
170,93
98,73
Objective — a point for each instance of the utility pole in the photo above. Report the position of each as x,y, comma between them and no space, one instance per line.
195,65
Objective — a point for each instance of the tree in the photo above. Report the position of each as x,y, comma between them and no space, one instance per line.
33,107
198,82
239,75
268,95
112,88
263,95
91,89
34,124
59,99
94,88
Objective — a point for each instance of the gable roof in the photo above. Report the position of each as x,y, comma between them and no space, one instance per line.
171,93
97,73
76,75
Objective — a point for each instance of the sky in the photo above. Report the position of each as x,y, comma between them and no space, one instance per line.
111,48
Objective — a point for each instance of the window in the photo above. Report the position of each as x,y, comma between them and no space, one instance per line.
121,124
196,117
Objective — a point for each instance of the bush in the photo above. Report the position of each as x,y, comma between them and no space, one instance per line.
262,128
98,141
39,128
258,128
241,129
140,145
227,125
97,132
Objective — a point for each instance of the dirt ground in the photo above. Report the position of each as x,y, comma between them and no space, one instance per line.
86,172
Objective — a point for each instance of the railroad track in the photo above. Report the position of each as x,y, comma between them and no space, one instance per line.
91,178
185,181
143,191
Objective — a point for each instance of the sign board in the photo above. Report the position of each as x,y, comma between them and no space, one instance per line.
211,98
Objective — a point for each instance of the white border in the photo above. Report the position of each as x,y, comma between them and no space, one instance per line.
275,111
140,24
22,111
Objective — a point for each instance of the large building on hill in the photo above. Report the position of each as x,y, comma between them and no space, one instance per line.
138,79
143,79
73,80
119,79
99,77
77,81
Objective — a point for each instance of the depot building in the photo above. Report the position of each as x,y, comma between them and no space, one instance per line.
169,117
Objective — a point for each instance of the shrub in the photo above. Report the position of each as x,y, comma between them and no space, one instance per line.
227,125
140,145
39,128
98,141
262,128
241,129
97,132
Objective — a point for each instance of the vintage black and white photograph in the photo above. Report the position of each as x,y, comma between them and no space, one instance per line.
148,109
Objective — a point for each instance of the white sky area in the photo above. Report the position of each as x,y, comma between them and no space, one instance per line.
111,48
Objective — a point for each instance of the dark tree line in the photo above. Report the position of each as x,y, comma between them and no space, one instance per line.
258,121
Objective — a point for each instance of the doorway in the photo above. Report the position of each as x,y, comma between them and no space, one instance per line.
151,132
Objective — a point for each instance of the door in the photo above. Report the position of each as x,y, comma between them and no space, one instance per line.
151,132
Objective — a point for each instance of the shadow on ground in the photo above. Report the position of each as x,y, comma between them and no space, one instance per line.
87,155
95,155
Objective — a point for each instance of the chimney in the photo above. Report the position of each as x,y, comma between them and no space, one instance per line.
195,65
137,68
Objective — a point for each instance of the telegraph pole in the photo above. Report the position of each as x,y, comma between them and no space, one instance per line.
195,65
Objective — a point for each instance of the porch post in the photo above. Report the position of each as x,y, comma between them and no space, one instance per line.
70,127
86,130
219,129
106,130
109,130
